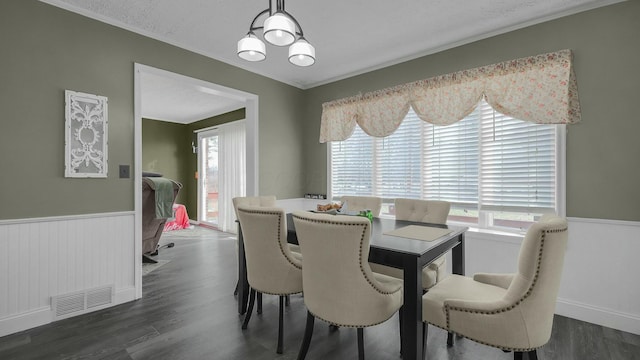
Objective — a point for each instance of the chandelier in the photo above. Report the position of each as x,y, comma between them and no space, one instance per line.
280,29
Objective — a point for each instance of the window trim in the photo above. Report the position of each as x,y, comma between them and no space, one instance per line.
482,226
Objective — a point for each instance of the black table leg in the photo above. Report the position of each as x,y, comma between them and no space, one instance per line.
457,257
412,333
243,284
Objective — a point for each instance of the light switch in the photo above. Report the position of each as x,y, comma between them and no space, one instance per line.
124,171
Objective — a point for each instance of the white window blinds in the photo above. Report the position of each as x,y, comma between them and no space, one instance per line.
485,162
352,164
397,161
451,162
517,168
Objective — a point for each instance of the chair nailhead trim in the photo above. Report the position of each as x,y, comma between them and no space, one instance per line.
347,325
279,214
485,343
278,294
373,285
448,308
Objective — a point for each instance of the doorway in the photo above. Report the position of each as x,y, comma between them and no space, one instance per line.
251,147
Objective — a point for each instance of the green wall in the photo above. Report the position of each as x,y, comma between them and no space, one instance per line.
46,50
166,149
603,152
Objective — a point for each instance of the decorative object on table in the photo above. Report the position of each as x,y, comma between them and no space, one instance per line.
85,135
280,29
329,207
366,213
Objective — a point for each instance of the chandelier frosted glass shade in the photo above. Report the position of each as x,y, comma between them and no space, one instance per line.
279,30
301,53
251,48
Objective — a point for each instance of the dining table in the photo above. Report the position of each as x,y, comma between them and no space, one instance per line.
390,245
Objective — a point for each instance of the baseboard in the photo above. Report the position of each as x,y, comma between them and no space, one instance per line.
25,321
124,295
596,315
42,316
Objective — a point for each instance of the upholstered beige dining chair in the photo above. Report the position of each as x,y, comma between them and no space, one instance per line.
339,286
265,201
357,203
513,312
271,267
427,211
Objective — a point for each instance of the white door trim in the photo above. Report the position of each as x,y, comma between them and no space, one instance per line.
251,115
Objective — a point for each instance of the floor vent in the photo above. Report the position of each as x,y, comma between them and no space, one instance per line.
81,302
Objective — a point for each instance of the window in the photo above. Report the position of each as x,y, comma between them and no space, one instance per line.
497,171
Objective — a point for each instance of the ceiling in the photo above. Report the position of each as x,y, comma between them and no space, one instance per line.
181,101
350,36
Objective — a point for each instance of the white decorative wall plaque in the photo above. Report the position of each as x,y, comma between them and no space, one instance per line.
85,135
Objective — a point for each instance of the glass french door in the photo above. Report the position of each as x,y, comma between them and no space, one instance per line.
221,173
208,177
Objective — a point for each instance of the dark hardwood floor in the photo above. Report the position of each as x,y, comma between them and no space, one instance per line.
188,311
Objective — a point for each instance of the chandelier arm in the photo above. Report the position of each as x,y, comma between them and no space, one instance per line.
300,33
252,27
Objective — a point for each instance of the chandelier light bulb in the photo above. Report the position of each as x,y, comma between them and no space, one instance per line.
279,30
301,53
251,48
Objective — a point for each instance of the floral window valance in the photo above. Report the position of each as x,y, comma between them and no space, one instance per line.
541,89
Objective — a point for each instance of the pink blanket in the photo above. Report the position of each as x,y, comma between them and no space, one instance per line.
181,219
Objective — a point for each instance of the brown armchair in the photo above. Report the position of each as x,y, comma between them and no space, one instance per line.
152,226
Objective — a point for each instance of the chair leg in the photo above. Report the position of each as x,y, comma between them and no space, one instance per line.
517,355
360,343
425,332
449,339
286,300
306,340
400,322
532,355
259,296
247,316
235,292
280,324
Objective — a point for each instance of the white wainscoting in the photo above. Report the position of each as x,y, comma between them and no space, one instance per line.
600,277
45,257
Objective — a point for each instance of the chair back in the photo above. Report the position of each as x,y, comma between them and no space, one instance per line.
534,288
427,211
271,268
267,201
339,286
357,203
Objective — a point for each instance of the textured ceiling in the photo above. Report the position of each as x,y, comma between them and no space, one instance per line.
181,101
350,36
